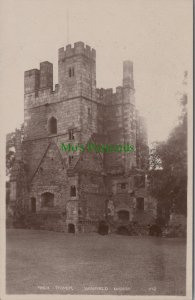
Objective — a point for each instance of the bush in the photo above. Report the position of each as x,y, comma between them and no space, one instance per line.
172,231
155,230
123,230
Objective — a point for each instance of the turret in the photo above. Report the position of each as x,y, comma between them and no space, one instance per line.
46,75
77,71
128,74
35,79
31,81
128,82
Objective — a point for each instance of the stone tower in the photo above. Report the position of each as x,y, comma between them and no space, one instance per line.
119,120
77,82
65,115
74,191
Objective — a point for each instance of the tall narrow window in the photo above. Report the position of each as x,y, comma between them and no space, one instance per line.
52,125
73,191
71,134
71,72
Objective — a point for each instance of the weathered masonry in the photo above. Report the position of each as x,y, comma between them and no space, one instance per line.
73,192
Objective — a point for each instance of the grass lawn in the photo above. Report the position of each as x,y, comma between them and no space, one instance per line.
44,262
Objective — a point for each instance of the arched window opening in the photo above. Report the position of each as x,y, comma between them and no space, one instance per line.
47,200
123,215
52,125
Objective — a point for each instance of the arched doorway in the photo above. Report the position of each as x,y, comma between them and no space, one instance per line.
33,205
47,200
71,228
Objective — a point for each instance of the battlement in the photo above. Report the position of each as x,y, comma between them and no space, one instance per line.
108,96
79,49
35,79
102,93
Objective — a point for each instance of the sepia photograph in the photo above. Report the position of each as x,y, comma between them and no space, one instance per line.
96,160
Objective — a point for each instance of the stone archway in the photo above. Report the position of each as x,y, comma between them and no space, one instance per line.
47,200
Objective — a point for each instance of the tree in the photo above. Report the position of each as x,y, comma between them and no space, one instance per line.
168,174
10,152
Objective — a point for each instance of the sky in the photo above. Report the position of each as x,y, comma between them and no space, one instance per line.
155,34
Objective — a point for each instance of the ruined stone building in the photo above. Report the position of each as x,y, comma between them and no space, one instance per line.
74,191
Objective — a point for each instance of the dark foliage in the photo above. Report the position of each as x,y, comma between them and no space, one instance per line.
168,174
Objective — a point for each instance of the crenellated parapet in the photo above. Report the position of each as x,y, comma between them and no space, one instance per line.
109,97
79,49
38,86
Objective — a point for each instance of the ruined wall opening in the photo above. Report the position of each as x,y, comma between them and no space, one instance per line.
33,205
140,204
123,215
139,181
47,200
71,228
52,125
